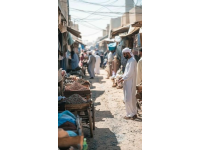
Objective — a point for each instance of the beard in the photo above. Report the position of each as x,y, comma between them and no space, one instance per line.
126,57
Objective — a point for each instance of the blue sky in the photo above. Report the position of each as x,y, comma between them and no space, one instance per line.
87,25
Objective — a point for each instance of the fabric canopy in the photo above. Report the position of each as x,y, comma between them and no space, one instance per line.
74,32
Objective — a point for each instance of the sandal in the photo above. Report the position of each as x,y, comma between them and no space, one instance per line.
134,117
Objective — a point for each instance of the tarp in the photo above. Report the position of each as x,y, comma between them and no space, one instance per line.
131,31
80,42
120,30
74,32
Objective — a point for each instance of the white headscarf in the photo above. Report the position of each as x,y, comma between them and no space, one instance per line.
127,50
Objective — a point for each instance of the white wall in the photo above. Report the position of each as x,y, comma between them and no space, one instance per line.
115,23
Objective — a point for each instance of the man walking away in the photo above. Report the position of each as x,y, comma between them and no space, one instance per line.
129,88
91,65
97,64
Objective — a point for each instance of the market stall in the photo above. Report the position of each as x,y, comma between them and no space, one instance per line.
70,134
77,99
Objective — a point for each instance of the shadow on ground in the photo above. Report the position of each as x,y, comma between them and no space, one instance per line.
103,139
96,94
103,114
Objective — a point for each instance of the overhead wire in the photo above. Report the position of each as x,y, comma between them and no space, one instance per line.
98,10
107,5
91,34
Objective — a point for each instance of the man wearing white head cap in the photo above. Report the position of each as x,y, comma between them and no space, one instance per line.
129,78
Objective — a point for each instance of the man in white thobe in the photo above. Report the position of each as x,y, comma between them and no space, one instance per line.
91,65
129,78
97,64
139,69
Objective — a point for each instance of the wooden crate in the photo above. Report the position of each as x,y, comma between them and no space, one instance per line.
77,106
67,93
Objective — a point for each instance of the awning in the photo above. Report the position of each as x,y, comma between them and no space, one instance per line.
137,24
131,31
103,38
120,30
74,32
80,42
107,40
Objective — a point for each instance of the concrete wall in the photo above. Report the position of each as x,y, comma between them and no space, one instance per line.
104,33
115,23
135,14
125,19
107,29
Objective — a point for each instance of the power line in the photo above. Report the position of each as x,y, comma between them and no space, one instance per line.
91,34
120,13
98,10
89,26
107,5
100,15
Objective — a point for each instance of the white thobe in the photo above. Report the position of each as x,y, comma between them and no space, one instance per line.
97,64
129,87
139,71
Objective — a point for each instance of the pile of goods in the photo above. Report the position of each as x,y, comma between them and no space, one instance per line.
74,78
75,99
69,81
76,87
82,81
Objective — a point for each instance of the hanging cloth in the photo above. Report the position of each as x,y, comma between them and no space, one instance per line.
139,42
69,38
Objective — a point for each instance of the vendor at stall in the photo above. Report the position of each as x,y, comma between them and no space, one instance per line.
112,48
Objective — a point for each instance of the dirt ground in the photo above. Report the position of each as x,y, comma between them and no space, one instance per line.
112,132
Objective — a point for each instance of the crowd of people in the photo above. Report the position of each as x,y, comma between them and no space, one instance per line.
125,72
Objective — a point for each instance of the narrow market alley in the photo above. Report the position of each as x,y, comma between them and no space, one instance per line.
112,132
